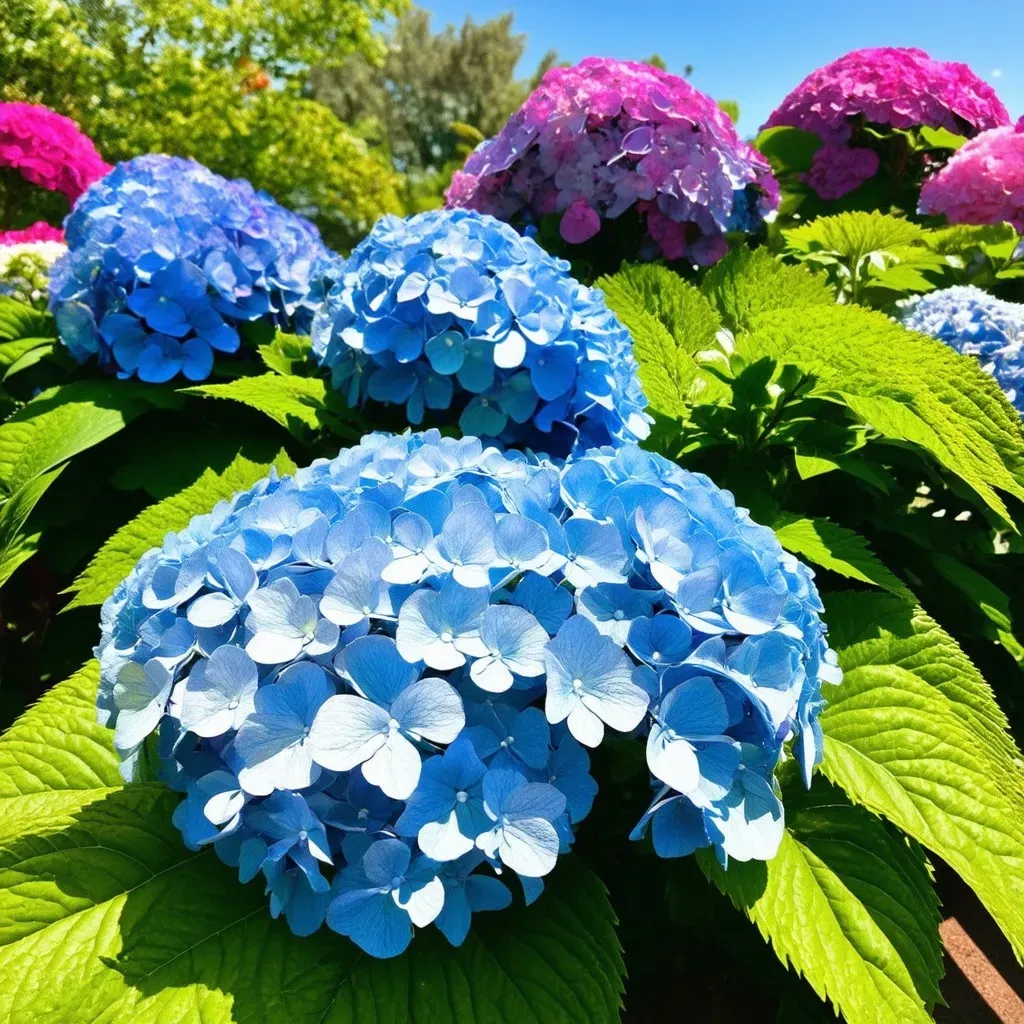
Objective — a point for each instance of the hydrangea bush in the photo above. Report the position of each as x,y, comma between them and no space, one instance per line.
25,261
846,103
167,260
48,149
606,138
975,324
378,679
453,314
983,183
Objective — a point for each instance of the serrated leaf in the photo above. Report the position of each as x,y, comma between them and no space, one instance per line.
303,405
849,905
15,546
914,734
64,421
669,321
14,352
19,320
838,549
287,354
115,560
106,917
906,386
745,284
990,601
852,235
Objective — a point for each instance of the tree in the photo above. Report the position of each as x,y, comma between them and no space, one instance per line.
218,80
429,82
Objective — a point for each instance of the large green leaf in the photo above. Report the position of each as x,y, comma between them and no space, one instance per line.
849,904
992,604
114,561
64,421
747,283
304,405
105,917
913,733
18,320
669,321
15,546
908,387
834,547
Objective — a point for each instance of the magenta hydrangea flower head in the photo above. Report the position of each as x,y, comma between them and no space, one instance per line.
48,149
848,102
612,140
983,183
38,232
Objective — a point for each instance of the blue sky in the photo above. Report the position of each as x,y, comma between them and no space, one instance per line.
755,52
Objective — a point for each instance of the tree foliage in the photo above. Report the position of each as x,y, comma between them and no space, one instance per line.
220,82
429,82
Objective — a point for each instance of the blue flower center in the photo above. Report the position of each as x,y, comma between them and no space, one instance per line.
462,796
577,685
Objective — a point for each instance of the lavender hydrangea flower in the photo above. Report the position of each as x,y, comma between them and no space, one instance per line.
608,138
977,324
377,748
166,261
453,315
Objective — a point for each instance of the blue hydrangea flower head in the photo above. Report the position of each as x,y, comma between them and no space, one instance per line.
453,315
975,324
166,260
376,682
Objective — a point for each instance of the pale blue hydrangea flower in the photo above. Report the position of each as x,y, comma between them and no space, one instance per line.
453,315
375,682
977,324
166,261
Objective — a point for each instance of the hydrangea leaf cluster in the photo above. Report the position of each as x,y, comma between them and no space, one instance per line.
376,681
975,324
48,149
25,265
167,259
886,86
605,137
983,183
454,312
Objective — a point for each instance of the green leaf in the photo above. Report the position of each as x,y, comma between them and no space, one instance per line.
913,733
18,321
848,904
852,235
909,388
746,284
670,321
287,354
106,917
13,352
15,547
940,138
303,405
115,560
838,549
66,420
788,149
993,604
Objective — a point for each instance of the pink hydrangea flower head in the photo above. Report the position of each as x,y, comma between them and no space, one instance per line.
899,87
605,137
48,149
983,183
38,232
